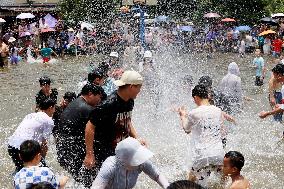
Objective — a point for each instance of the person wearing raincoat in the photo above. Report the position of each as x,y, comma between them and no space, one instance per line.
122,170
230,91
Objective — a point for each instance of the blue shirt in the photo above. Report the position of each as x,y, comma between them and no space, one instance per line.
259,63
33,175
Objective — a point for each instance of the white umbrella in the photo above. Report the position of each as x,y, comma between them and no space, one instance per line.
25,15
277,15
50,20
2,20
138,15
211,15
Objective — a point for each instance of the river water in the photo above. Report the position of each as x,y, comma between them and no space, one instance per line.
258,140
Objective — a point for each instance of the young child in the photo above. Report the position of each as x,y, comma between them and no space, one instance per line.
258,63
242,48
31,173
233,163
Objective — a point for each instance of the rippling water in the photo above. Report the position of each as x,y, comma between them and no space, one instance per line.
257,139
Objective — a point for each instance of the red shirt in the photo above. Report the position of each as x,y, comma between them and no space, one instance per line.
277,45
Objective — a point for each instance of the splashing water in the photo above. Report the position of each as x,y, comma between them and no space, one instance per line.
259,141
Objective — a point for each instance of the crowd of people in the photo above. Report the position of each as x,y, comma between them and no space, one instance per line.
96,141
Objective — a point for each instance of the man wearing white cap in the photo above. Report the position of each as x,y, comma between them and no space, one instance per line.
131,158
110,122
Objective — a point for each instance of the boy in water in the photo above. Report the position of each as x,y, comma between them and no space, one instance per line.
233,163
31,173
205,125
258,63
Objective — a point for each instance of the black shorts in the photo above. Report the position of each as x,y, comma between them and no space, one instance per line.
258,81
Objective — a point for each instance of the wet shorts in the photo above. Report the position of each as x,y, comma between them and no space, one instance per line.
208,176
258,81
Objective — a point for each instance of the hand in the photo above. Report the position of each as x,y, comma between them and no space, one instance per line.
263,114
272,101
89,161
182,111
143,142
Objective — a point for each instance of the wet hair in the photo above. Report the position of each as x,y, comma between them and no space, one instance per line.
206,81
95,89
42,185
184,184
188,79
278,69
95,74
44,81
47,103
200,91
28,150
236,159
69,96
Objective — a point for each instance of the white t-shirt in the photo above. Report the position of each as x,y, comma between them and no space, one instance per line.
113,175
35,126
204,123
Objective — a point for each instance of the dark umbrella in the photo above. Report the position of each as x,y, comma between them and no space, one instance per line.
268,20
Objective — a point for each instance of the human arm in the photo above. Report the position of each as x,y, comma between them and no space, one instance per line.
44,148
264,114
149,169
184,119
89,160
271,91
63,181
52,51
228,117
134,134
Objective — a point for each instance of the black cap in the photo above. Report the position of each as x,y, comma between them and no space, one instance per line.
278,69
44,80
69,96
206,81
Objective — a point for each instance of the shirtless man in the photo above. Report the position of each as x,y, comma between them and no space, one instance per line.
4,52
233,163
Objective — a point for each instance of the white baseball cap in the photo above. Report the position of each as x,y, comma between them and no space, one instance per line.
113,54
131,153
148,54
11,39
129,77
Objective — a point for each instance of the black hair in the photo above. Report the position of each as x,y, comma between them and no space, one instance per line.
28,150
44,80
95,89
69,96
200,91
94,75
236,159
46,103
188,79
278,69
41,185
184,184
206,81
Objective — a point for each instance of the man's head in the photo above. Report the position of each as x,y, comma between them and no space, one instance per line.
278,72
184,184
206,81
93,94
67,98
233,163
44,83
48,106
42,185
257,52
130,83
97,77
30,151
199,93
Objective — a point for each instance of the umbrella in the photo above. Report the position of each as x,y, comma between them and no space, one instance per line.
267,32
277,15
138,15
50,20
228,20
268,20
162,19
87,25
25,15
243,28
23,34
2,20
45,30
211,15
186,28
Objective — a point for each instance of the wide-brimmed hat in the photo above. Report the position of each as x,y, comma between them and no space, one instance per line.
11,39
71,30
148,54
131,153
129,77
